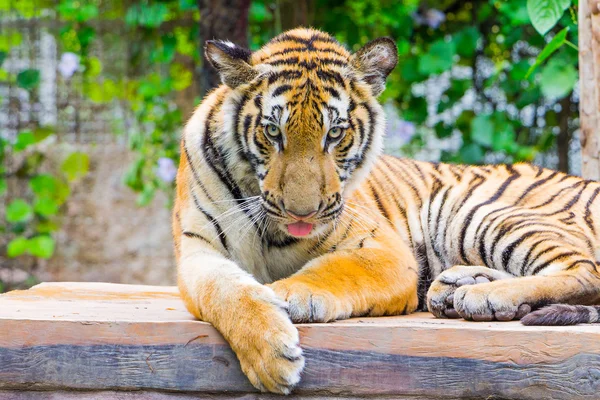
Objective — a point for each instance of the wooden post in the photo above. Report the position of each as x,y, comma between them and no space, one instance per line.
589,76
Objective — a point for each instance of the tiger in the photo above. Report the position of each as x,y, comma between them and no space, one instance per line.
286,211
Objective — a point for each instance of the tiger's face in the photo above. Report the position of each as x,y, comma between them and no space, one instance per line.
307,121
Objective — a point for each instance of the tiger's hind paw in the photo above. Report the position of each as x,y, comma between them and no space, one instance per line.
440,297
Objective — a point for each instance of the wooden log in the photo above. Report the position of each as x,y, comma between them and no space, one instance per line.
589,78
112,338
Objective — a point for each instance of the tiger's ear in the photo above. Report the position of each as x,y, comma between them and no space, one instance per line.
231,61
374,61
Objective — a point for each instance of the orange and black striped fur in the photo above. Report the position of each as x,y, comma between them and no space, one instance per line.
286,211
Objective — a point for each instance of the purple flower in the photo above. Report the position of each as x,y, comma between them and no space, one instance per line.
431,17
68,65
166,169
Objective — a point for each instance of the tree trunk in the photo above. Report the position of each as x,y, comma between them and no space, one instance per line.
225,20
565,135
589,76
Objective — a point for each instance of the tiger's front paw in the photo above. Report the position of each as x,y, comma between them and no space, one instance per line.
266,342
501,301
307,303
441,294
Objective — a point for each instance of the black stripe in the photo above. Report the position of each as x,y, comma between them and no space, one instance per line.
213,222
378,202
281,90
584,261
196,236
540,267
467,223
535,185
525,262
588,212
509,250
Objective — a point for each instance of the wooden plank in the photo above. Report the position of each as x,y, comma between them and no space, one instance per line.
81,336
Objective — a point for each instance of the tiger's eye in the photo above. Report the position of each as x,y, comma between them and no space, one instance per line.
335,133
272,131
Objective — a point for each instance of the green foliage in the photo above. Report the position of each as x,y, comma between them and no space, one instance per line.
545,14
439,58
555,44
30,221
558,79
19,211
28,79
76,165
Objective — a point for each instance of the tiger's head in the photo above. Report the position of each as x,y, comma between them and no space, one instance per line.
302,115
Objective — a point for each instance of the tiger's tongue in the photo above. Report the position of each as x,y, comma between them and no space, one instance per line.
299,228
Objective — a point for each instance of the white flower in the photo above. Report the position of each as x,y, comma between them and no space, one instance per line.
166,169
68,65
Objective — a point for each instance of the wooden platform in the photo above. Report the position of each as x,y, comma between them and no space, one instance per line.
106,338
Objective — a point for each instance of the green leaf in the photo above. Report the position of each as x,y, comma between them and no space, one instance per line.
43,185
409,70
182,77
28,79
87,12
46,226
24,139
438,59
3,186
45,206
557,79
42,246
416,111
466,41
482,130
150,16
187,5
544,14
555,44
505,139
76,165
472,153
18,211
42,133
442,130
2,57
17,247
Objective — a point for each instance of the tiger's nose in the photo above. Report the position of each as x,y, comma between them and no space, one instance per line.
299,215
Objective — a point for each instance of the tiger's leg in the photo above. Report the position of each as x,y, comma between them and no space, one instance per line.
440,297
379,276
571,279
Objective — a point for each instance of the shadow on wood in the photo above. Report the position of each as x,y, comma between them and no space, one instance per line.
112,338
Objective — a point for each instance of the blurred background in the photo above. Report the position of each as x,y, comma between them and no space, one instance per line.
94,94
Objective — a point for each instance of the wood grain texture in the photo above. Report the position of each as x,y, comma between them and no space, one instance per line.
81,336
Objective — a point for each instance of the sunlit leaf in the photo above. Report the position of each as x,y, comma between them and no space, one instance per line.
545,14
41,246
18,211
76,165
482,130
556,43
17,247
557,79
